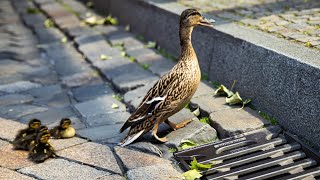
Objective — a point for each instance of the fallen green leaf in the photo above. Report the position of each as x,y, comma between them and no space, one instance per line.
172,150
111,20
132,59
123,53
151,44
234,99
222,90
33,11
127,28
192,174
117,97
104,57
196,112
205,120
114,106
48,23
64,40
145,66
185,144
89,4
195,165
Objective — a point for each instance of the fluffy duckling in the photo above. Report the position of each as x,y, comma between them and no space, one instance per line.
25,136
64,130
173,90
42,149
41,129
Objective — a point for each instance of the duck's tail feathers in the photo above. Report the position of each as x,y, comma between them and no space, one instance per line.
129,139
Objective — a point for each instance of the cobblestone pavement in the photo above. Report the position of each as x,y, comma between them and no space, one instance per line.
53,66
296,20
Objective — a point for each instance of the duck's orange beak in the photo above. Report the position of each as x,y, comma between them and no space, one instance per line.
206,22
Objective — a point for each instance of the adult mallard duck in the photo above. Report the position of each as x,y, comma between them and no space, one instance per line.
64,130
173,90
25,136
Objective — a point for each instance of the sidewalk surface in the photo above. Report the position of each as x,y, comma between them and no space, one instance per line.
296,20
53,66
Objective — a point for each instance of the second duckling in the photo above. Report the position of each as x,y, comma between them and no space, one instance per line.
42,149
25,136
64,130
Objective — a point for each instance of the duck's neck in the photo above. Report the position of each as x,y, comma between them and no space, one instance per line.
185,42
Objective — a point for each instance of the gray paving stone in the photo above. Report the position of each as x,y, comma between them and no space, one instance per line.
50,116
93,154
15,99
135,97
204,89
126,39
195,131
80,79
3,143
158,64
84,93
57,100
60,144
134,159
210,103
125,75
62,169
102,105
67,21
10,129
45,91
48,35
10,174
142,52
230,122
13,160
112,177
18,86
146,147
78,31
34,20
107,119
103,133
16,111
91,37
160,172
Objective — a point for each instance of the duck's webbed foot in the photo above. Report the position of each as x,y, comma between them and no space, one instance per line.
154,133
178,126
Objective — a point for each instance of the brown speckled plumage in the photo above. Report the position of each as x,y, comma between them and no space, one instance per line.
174,90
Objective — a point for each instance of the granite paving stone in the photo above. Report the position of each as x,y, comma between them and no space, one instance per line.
158,171
146,147
210,103
135,96
103,133
230,122
13,160
48,35
3,143
112,177
34,20
102,105
57,100
18,86
16,111
84,93
10,99
44,91
93,154
79,79
120,72
195,131
107,119
61,144
134,159
10,174
62,169
10,128
50,116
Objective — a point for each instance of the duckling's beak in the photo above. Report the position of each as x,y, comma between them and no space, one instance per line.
206,22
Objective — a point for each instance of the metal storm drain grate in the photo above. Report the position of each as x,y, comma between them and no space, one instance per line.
263,154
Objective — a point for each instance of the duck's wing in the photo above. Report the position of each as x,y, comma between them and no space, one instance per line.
154,96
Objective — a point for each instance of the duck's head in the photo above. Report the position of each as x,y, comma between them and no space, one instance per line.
34,123
43,137
192,18
65,123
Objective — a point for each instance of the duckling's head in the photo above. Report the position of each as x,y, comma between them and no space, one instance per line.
42,128
192,18
65,123
43,137
34,123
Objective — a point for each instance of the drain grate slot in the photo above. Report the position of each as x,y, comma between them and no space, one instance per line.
262,154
